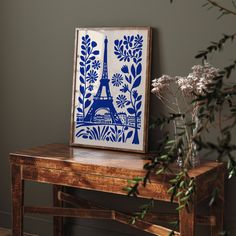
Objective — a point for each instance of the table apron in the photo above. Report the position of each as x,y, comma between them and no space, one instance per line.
157,191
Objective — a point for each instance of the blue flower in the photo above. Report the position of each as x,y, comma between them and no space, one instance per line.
135,94
96,64
92,76
125,69
90,87
125,88
128,41
86,39
117,79
138,40
121,101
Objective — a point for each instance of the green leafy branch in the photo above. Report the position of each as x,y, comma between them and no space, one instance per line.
222,9
182,188
215,46
143,210
211,104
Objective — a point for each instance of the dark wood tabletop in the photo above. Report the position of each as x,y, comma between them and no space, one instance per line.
108,171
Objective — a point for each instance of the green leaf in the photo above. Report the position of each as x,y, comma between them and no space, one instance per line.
159,171
170,190
131,181
180,207
138,179
127,189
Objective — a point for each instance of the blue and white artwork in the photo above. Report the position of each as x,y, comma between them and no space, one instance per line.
110,100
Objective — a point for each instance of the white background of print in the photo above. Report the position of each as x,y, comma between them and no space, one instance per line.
114,66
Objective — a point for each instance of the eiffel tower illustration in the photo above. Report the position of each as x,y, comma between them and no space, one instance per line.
103,99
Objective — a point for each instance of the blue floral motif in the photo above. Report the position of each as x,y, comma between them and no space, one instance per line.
138,41
96,64
117,79
90,87
125,69
107,133
128,41
87,76
121,101
92,76
120,135
130,49
127,122
125,88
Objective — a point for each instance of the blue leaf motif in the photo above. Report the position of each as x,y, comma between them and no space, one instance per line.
129,134
139,68
131,110
128,79
88,95
82,89
138,105
139,97
82,58
91,58
81,80
137,82
88,68
96,52
113,130
94,44
80,100
139,113
87,103
116,42
79,109
95,132
133,71
82,70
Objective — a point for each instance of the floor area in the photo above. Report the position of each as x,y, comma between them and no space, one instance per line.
7,232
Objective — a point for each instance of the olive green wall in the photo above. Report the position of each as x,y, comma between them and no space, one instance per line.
36,58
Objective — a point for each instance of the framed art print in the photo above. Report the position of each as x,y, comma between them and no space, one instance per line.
110,103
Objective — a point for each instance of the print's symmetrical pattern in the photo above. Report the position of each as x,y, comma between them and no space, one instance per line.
103,114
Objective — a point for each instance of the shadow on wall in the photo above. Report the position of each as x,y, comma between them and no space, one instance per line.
157,69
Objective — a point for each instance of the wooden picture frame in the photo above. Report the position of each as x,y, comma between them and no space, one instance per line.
111,88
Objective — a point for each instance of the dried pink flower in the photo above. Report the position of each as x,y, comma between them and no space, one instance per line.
161,84
197,81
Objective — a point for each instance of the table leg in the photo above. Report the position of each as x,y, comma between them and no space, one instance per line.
57,220
217,208
17,200
187,218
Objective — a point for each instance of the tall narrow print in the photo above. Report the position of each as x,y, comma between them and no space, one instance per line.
111,86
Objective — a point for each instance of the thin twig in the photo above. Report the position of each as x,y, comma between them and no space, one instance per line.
222,8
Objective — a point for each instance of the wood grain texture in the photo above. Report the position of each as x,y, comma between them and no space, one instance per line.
102,215
217,209
57,220
108,171
149,217
17,200
187,219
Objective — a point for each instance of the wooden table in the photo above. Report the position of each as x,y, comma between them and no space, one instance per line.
106,171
